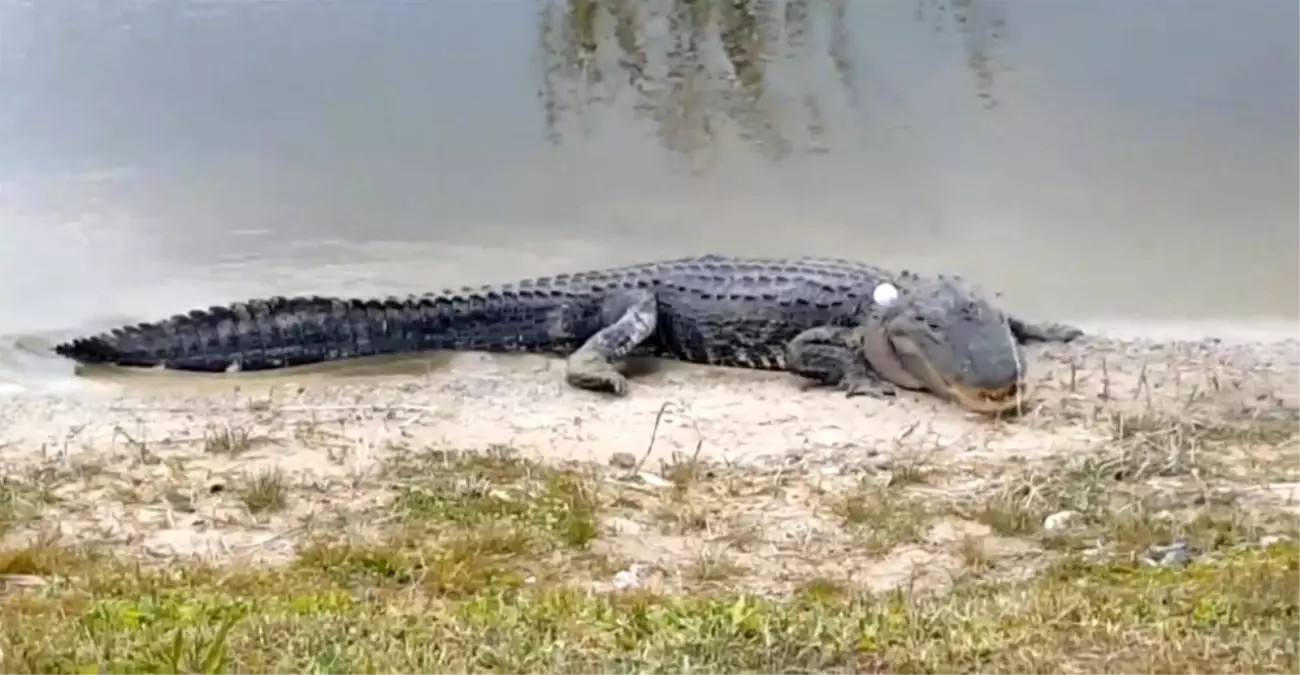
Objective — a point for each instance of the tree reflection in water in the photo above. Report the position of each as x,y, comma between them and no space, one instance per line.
693,67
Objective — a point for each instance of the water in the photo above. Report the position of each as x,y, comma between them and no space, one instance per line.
1121,164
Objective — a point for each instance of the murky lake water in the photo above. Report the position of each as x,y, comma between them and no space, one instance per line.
1103,160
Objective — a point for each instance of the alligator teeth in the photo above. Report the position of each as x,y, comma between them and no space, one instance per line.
1000,395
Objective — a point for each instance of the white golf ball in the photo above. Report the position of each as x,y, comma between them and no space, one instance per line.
885,294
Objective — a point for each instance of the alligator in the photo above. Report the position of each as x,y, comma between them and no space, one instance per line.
837,323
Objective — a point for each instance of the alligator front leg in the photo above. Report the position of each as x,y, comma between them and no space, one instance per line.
1045,331
630,319
827,356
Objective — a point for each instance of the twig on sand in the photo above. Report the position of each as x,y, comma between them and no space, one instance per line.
654,434
250,549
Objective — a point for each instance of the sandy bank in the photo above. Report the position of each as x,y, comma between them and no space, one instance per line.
153,463
473,401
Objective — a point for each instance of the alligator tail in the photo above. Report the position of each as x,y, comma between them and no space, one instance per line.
278,332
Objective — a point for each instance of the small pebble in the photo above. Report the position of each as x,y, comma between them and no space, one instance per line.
795,455
1177,553
1061,520
623,460
654,481
628,578
179,501
625,526
1271,539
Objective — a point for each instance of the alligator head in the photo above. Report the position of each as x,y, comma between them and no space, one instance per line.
934,335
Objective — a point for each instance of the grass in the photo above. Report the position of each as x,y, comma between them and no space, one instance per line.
450,561
882,517
19,503
1235,614
226,439
265,491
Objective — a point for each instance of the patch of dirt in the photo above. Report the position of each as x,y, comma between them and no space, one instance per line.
738,475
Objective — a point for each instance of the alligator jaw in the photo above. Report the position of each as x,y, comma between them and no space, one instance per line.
900,361
989,402
1007,399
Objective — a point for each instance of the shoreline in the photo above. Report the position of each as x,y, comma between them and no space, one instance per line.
474,400
1264,330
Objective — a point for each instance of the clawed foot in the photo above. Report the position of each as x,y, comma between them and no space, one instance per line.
1060,332
856,386
1046,331
866,386
595,374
